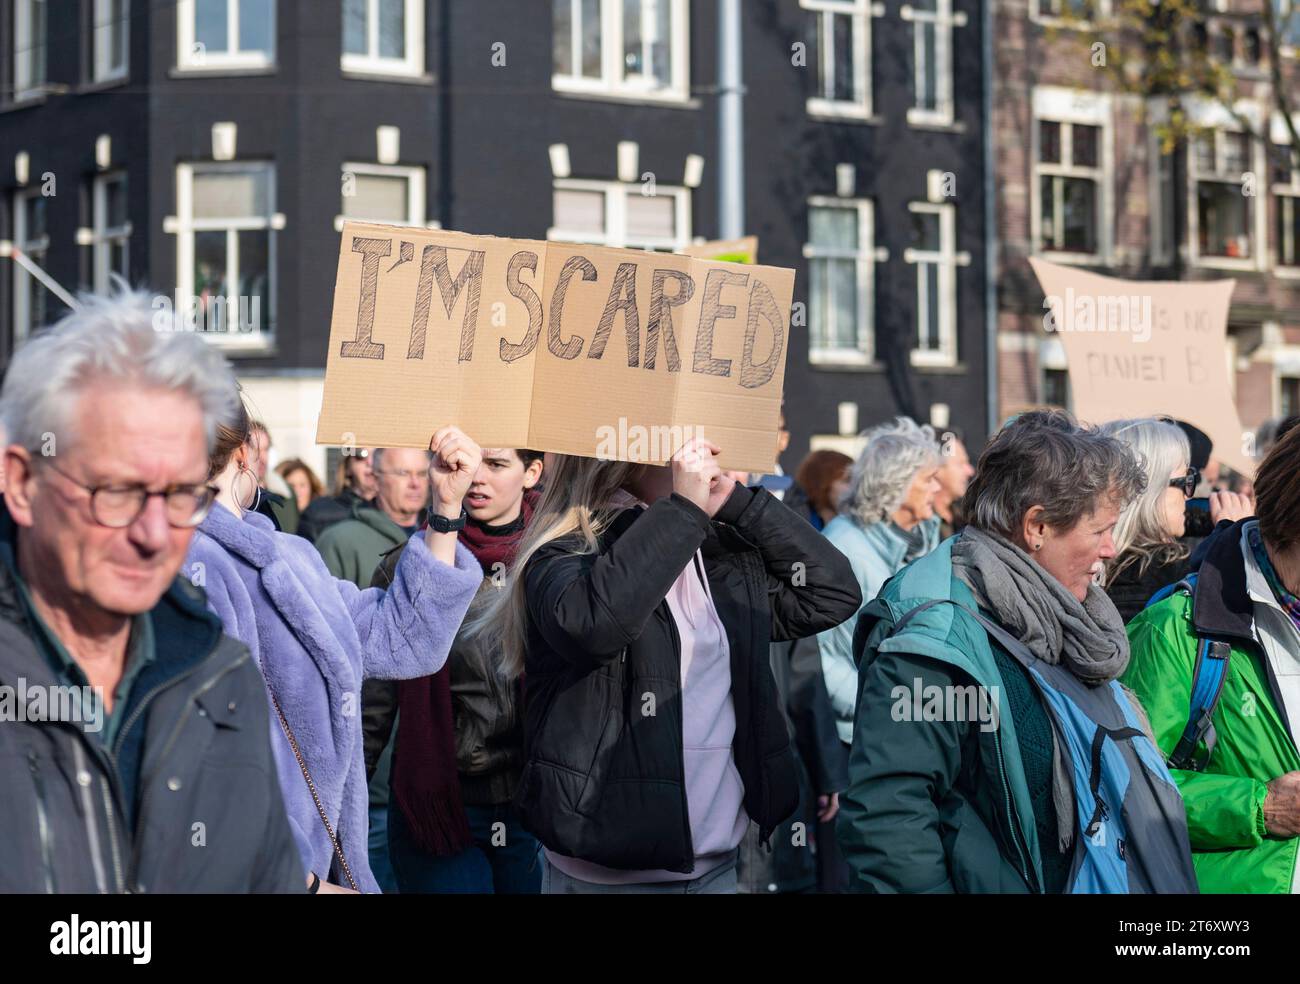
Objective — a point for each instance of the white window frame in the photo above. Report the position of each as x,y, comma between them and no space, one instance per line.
1067,107
1054,18
865,258
860,14
26,53
103,236
947,259
415,191
186,226
616,195
187,59
102,67
944,20
372,63
1258,224
35,250
611,82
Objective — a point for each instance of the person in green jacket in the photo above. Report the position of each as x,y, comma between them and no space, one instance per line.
1243,804
353,548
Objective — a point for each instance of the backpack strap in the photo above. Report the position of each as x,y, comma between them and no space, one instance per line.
1188,583
1212,658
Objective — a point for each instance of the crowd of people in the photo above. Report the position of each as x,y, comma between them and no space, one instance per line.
1070,667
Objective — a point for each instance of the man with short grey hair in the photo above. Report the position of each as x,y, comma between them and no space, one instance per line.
134,749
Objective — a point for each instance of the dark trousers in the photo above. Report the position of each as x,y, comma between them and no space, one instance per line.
503,860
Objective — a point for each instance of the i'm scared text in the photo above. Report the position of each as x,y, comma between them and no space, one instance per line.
669,289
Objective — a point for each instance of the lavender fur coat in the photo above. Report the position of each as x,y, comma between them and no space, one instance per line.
315,638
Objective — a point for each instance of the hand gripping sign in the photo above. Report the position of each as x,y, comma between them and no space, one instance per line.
587,350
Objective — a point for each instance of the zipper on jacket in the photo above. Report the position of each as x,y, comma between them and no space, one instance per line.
112,831
681,739
42,823
146,782
1011,810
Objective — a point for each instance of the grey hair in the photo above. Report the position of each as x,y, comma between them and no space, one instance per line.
1045,458
887,465
377,456
121,337
1141,536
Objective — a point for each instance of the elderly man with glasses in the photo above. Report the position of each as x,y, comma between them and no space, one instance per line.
134,749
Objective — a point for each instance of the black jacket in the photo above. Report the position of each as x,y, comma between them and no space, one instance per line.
324,512
821,763
208,814
604,776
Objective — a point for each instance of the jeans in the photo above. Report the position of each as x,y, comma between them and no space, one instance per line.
380,865
503,860
720,881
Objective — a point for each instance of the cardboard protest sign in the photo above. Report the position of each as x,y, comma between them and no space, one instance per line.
1143,348
743,250
612,353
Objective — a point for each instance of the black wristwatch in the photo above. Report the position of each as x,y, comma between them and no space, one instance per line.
441,524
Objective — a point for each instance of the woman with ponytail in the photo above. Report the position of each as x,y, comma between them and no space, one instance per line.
640,608
316,637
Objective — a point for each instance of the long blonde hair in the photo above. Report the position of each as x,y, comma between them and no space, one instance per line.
1140,535
574,504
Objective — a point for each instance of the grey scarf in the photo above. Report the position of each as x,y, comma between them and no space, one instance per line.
1031,604
1087,637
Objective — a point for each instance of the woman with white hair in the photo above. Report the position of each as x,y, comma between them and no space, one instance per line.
1150,553
886,521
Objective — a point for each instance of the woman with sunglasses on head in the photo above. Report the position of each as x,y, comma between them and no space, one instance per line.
316,637
1149,551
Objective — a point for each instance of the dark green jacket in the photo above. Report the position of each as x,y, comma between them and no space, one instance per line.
353,548
932,806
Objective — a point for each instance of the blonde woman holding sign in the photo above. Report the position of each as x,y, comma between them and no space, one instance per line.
641,606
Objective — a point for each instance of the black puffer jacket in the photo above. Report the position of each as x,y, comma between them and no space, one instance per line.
604,778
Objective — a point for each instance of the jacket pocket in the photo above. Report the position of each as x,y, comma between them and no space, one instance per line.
975,861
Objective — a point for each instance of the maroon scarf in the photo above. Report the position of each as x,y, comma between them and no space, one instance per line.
425,781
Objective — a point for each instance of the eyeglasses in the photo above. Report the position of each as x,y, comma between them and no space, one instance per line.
1187,482
118,506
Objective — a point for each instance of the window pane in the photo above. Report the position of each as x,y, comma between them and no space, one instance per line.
115,203
579,211
1224,219
819,301
1205,163
930,6
1056,387
354,27
646,36
1236,154
37,297
210,276
661,45
562,37
34,228
842,46
254,280
1047,214
651,216
817,86
591,39
257,25
117,262
1084,140
925,231
632,56
380,198
833,227
392,28
1049,142
1079,221
231,194
210,26
1288,231
1290,395
845,295
927,96
929,335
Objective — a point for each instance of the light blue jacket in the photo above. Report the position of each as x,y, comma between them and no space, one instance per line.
876,554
